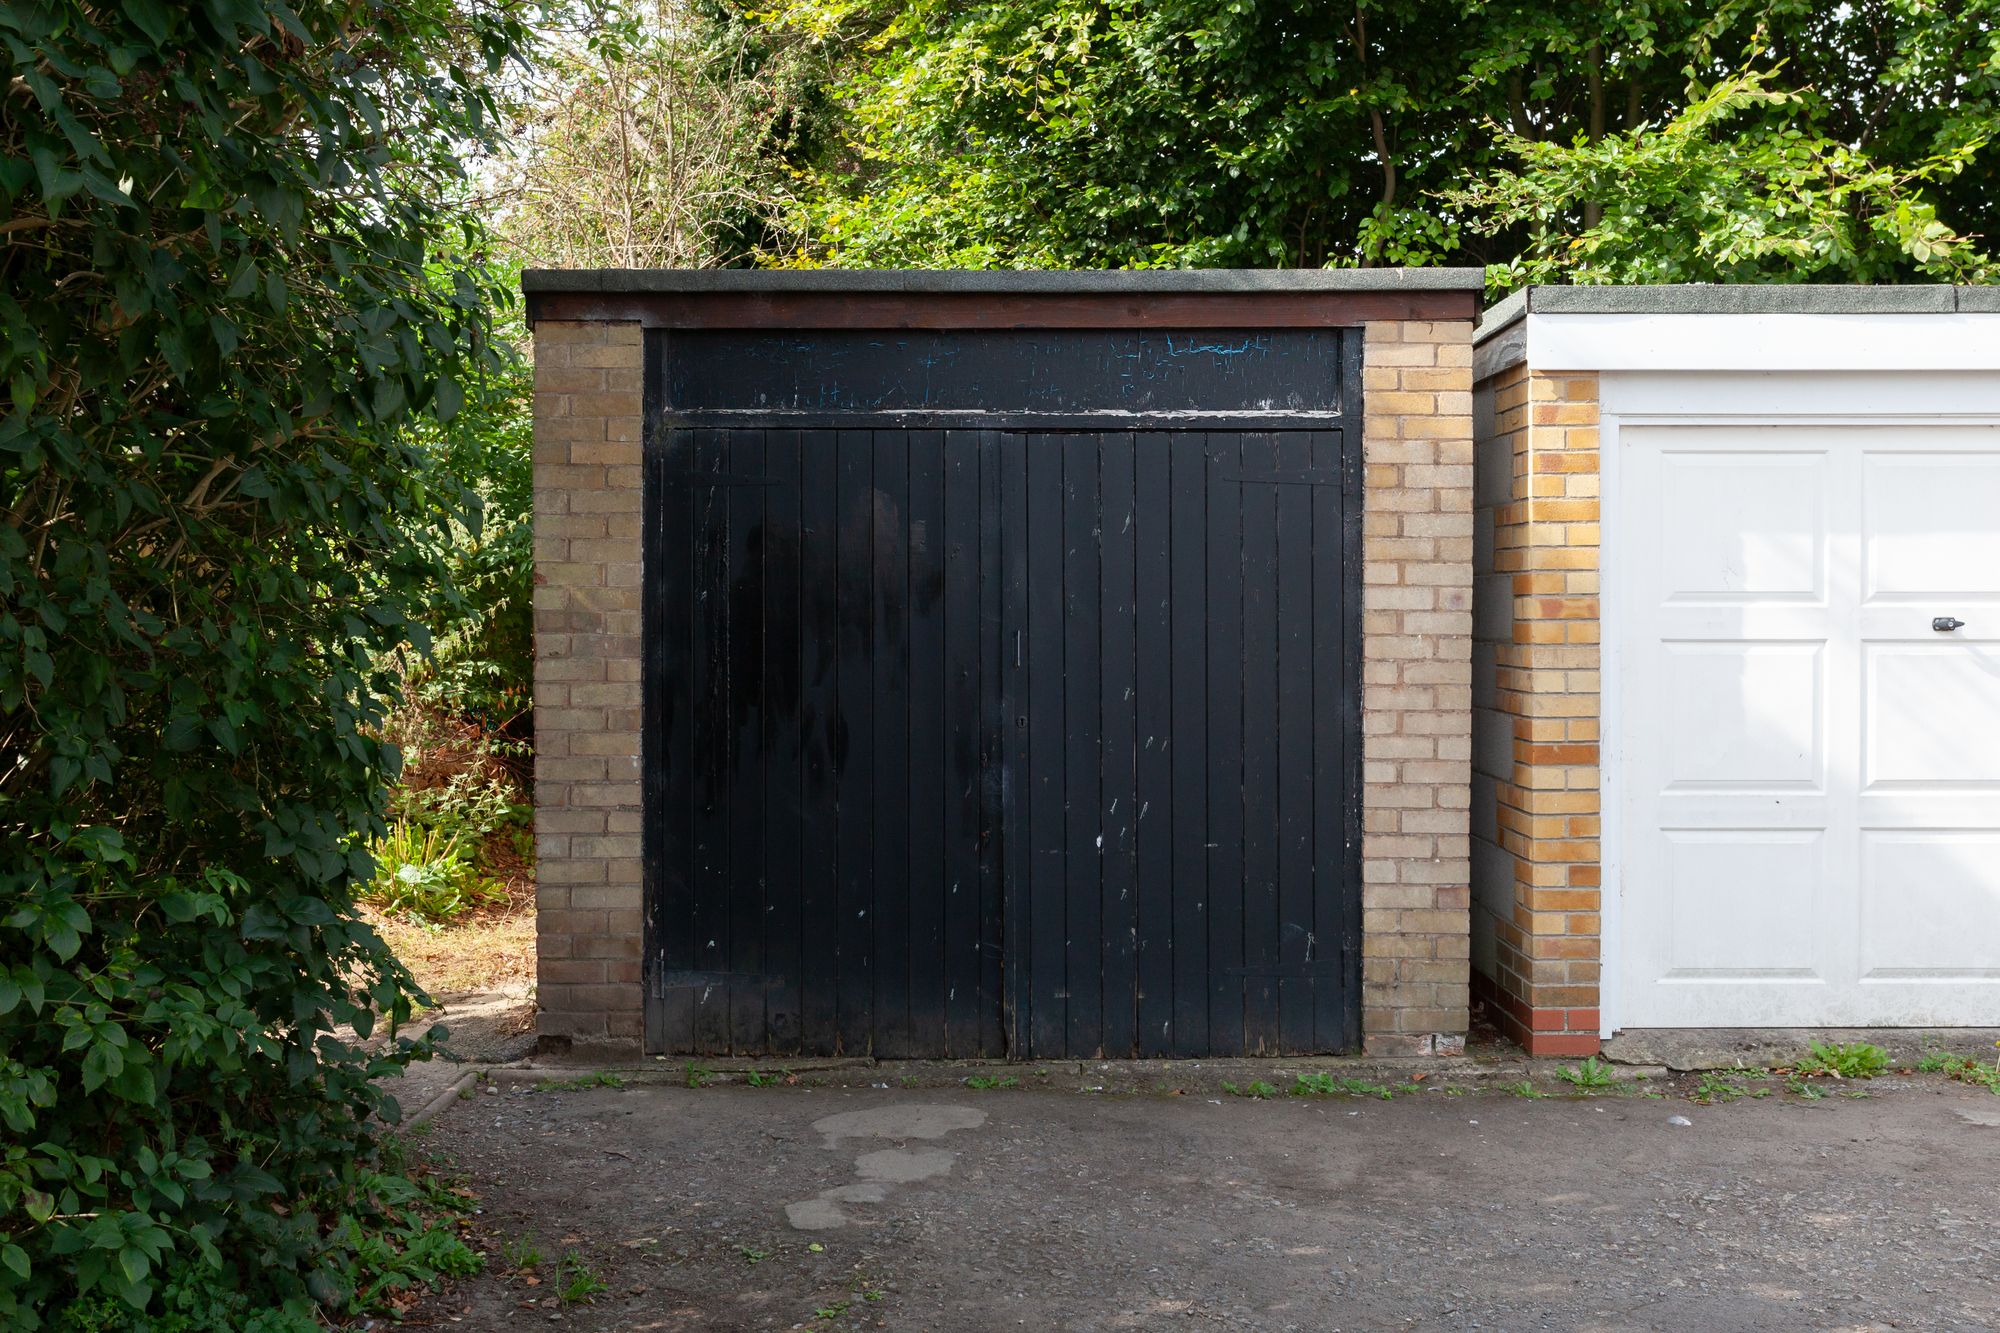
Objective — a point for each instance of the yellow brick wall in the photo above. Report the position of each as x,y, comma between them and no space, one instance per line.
1538,890
1417,684
588,409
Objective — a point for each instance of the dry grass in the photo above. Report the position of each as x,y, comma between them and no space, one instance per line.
491,950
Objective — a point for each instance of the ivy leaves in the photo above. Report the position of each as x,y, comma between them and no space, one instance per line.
239,265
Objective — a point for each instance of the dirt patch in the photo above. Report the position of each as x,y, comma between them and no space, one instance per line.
949,1210
484,951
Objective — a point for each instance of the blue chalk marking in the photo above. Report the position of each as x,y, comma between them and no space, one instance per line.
1248,345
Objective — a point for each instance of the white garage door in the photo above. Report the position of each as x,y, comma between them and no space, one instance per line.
1809,771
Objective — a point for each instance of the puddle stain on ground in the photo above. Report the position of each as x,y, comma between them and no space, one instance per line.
883,1168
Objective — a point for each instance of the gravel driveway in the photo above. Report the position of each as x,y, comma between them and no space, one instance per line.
731,1207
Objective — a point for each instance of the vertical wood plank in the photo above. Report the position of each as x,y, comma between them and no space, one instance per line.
929,884
1018,795
1296,725
709,654
819,738
668,842
743,659
1002,612
1225,746
1117,705
1189,815
1047,846
784,722
1261,795
890,715
854,744
1153,797
1337,741
961,746
1084,830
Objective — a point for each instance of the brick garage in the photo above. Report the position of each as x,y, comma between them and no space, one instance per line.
605,349
1734,730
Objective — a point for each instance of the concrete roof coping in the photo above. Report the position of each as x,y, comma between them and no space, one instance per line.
1008,282
1739,299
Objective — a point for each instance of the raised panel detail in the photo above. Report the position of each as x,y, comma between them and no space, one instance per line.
1743,526
1930,905
1933,713
1742,715
1742,903
1931,524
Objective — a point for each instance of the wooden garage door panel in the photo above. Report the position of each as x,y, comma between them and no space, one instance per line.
1807,772
983,742
1185,836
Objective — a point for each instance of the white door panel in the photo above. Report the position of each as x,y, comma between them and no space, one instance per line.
1928,524
1809,819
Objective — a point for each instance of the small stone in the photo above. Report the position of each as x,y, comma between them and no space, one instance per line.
1679,1120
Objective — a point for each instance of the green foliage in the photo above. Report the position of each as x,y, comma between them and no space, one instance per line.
1257,1089
1858,1059
1744,185
1194,133
471,807
522,1254
480,666
425,873
1713,1087
581,1083
987,1083
1326,1085
579,1282
1592,1073
1963,1068
233,276
655,134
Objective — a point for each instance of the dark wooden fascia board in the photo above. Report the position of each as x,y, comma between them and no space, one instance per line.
967,310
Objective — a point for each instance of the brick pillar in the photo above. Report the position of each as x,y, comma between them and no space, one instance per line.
588,409
1417,684
1540,816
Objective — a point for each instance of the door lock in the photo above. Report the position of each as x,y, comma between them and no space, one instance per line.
1946,624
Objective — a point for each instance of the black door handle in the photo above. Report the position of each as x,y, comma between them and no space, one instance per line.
1946,624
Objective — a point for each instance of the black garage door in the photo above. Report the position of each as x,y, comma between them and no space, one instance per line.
1003,692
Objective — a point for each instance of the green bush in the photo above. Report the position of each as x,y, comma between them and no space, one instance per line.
481,663
237,268
472,808
424,872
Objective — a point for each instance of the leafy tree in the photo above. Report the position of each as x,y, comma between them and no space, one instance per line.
1737,188
235,264
654,133
1047,133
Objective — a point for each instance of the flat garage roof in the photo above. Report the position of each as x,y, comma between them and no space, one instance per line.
925,298
1698,298
1802,327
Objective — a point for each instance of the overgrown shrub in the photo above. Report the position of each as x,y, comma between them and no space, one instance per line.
480,667
234,267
